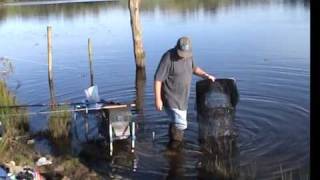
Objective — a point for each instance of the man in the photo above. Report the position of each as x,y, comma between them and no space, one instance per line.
172,83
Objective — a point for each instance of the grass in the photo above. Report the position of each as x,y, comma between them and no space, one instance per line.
15,124
59,122
14,147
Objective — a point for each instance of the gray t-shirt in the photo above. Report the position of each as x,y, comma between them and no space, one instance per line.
176,76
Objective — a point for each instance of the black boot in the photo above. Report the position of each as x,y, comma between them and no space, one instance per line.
176,137
175,133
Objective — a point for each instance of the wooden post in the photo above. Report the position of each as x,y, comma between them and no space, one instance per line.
90,61
52,94
49,36
50,73
140,88
139,53
136,32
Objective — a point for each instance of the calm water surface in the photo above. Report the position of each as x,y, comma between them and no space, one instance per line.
263,44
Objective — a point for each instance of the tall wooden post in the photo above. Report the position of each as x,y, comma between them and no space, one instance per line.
49,36
90,61
136,32
52,93
140,88
50,73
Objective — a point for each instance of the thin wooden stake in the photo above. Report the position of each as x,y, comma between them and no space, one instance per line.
90,61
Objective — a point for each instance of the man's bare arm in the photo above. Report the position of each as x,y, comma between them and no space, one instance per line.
199,72
157,95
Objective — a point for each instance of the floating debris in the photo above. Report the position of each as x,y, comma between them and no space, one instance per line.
43,161
30,141
6,67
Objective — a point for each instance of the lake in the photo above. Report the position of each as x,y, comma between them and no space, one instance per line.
264,45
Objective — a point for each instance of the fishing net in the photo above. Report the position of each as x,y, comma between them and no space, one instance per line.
86,126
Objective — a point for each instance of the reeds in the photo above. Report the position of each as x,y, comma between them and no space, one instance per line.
15,125
59,122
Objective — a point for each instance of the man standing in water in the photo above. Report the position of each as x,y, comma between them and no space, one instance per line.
172,82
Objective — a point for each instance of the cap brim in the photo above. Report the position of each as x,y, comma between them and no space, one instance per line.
184,54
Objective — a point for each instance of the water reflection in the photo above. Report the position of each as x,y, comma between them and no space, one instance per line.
305,3
94,154
121,164
176,160
140,83
216,104
208,6
90,140
71,11
66,11
52,92
220,152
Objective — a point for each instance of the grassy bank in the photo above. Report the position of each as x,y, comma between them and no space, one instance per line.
15,124
59,122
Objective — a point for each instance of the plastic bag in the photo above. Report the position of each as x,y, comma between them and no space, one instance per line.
92,94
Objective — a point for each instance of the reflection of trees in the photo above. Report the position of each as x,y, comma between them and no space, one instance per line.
74,10
208,6
305,3
3,13
67,11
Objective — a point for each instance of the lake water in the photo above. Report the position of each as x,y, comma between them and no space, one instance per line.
265,45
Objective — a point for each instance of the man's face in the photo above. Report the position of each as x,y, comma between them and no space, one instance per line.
179,57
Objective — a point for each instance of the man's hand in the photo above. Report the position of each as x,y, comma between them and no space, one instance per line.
159,104
198,71
212,78
208,76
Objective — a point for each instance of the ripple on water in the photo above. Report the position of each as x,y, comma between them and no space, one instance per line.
265,137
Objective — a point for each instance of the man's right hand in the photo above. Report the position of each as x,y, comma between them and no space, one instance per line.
159,104
157,95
